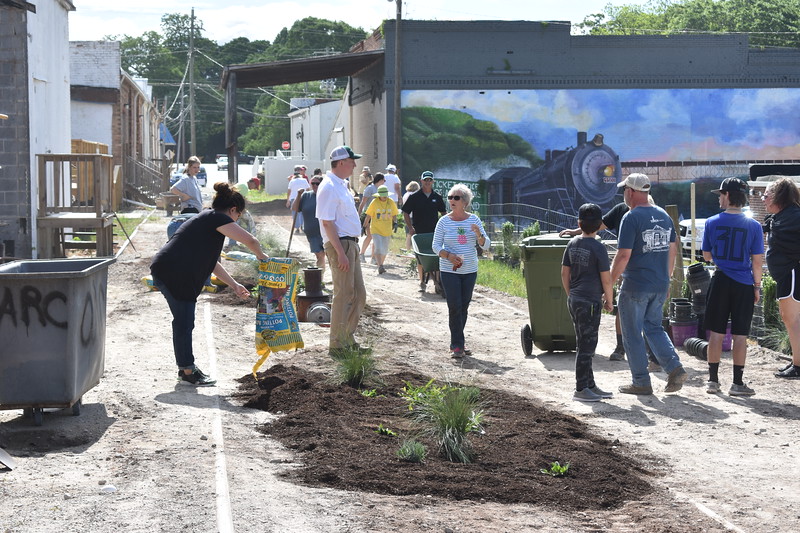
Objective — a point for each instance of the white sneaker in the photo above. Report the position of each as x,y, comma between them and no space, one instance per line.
712,387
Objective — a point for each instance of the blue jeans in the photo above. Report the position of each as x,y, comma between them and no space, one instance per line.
641,312
458,290
182,326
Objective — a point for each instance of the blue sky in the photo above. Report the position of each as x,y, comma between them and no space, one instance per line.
640,124
260,19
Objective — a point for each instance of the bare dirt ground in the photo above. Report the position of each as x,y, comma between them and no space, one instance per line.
149,454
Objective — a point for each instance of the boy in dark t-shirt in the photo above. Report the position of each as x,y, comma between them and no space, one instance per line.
586,277
610,222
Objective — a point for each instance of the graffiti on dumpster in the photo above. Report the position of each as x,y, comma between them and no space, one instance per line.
31,299
28,306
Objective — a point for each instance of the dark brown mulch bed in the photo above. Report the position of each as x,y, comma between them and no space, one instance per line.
332,429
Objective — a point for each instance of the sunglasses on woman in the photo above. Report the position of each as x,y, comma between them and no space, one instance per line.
454,197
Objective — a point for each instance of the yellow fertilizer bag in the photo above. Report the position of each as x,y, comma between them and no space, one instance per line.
276,321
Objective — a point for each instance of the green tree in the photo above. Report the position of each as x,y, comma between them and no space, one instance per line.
162,57
312,36
770,22
306,38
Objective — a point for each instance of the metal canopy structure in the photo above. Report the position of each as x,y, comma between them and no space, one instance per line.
299,70
283,73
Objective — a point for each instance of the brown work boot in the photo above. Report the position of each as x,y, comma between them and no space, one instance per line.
636,389
676,379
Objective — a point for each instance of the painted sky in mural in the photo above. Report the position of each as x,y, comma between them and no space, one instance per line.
640,124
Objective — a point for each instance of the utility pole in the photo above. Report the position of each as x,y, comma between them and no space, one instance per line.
181,151
398,127
191,86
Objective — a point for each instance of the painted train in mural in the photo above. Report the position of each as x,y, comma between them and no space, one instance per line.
589,172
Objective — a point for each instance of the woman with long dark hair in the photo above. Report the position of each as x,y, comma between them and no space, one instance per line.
782,201
182,265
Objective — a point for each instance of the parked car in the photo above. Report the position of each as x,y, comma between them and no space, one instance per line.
222,163
202,176
245,159
685,229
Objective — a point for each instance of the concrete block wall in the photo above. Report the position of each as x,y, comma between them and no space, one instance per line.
15,227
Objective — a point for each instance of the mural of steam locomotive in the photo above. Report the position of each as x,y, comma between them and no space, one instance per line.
589,172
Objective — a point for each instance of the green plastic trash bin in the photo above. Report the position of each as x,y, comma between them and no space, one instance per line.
551,327
53,332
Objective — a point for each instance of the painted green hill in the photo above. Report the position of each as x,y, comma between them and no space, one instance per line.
436,138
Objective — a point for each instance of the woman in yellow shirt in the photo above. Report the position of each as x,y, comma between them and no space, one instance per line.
380,215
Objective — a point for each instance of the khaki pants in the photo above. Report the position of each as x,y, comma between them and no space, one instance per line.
349,295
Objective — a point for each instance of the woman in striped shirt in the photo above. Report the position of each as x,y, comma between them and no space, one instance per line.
454,241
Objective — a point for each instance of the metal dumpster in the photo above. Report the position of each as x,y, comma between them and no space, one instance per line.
551,327
53,331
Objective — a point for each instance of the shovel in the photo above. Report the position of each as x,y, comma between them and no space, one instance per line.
291,233
7,460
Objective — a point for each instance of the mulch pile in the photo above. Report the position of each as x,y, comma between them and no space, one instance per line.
332,427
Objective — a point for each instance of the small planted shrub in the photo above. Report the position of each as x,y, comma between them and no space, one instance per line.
531,230
424,394
382,430
556,469
412,451
355,367
447,415
772,314
507,230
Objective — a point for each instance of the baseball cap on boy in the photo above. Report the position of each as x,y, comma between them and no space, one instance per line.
427,175
343,152
590,212
391,168
731,185
383,190
637,182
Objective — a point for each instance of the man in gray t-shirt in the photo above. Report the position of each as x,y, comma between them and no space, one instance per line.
645,259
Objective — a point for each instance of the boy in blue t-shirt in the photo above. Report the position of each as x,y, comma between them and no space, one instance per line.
586,276
736,245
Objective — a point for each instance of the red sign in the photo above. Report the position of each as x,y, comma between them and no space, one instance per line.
285,145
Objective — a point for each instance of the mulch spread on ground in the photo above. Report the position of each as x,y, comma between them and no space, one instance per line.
332,427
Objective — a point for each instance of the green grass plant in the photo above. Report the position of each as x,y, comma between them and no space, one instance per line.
355,367
447,415
412,451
